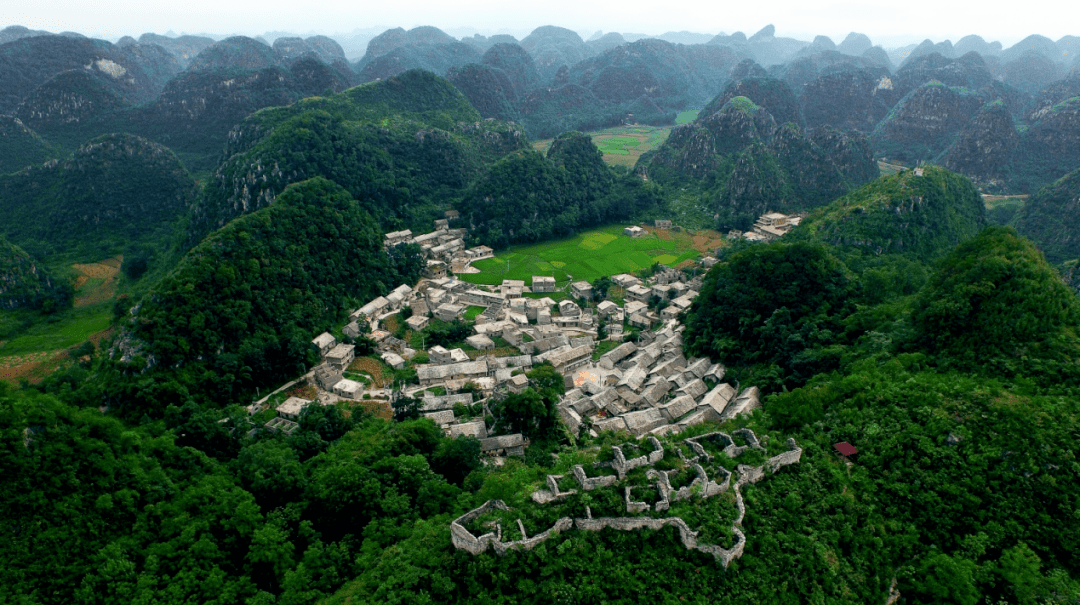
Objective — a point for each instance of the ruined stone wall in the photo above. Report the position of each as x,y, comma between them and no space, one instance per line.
701,486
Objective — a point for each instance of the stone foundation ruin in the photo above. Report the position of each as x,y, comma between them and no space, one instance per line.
702,487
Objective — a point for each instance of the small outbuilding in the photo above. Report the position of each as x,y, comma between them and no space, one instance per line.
845,449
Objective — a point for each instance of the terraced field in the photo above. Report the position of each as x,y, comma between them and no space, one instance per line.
586,256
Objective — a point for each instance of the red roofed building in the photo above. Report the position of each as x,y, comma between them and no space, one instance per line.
845,449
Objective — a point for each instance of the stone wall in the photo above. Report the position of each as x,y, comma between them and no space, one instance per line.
702,486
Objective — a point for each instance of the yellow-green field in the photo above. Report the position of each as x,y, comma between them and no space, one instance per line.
622,145
587,256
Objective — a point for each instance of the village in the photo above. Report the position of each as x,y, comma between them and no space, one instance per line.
620,352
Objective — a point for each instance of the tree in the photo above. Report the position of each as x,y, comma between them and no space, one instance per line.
456,458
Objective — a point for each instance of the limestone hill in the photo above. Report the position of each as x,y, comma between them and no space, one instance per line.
114,193
405,146
25,283
923,213
744,164
20,146
1050,218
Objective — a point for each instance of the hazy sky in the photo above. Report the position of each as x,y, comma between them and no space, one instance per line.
888,23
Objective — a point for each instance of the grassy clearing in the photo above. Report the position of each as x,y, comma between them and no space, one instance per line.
622,145
70,329
588,256
472,311
685,117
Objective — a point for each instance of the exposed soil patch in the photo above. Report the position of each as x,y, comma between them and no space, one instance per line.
97,282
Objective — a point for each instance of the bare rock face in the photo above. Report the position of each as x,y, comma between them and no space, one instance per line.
985,146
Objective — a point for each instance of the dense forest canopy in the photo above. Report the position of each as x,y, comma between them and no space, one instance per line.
527,197
240,309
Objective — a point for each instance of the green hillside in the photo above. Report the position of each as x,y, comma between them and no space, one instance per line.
1049,218
27,284
20,146
920,216
239,310
117,194
406,147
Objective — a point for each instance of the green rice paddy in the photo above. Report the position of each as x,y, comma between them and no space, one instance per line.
586,256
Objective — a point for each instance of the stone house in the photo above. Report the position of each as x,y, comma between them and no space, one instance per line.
480,342
397,237
326,377
436,374
417,322
348,389
638,293
507,445
439,355
569,308
570,359
435,269
291,408
625,280
518,384
449,312
607,308
543,283
393,360
374,308
662,224
341,356
352,329
324,342
581,289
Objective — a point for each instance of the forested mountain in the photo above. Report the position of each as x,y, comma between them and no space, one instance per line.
250,296
116,194
28,63
745,163
1050,218
27,284
406,147
20,146
921,216
527,197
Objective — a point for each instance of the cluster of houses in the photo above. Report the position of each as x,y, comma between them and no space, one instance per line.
647,387
769,226
441,248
